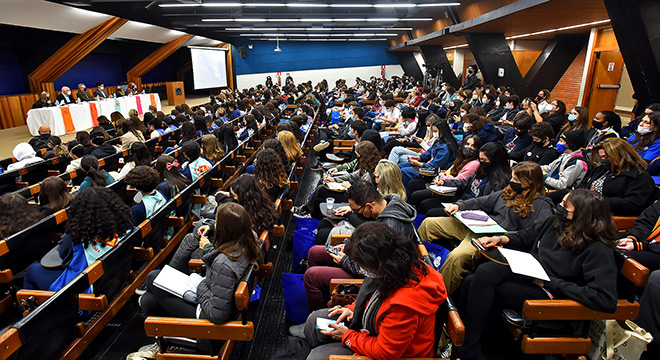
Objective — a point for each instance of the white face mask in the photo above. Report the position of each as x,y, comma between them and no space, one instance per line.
643,130
487,91
497,103
436,136
474,97
484,100
467,127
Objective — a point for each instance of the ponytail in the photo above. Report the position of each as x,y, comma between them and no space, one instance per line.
90,165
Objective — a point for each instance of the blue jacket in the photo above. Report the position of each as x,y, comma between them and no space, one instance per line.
234,114
650,152
437,156
487,134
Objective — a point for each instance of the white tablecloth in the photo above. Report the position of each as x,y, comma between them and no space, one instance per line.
81,114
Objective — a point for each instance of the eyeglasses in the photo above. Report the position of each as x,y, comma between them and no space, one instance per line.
360,210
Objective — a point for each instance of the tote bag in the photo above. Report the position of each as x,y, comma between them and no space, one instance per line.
609,341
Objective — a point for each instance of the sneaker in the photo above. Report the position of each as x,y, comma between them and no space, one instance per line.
317,167
300,212
142,289
321,146
297,331
145,352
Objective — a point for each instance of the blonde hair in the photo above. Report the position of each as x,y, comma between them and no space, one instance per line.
211,148
389,179
132,112
290,144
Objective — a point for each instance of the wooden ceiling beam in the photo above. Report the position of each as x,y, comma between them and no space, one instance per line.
136,73
71,53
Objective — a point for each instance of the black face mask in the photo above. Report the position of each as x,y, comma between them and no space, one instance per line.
597,125
606,163
516,187
484,165
562,214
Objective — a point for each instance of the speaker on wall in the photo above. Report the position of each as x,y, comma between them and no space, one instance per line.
242,52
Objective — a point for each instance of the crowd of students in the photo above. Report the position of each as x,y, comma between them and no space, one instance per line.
550,177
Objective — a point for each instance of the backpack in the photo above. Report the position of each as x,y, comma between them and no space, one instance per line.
292,348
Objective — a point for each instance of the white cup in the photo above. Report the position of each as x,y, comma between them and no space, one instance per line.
329,203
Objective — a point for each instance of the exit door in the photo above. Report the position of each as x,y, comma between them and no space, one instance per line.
605,83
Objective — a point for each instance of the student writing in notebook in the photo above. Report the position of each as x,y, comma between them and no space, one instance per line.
576,251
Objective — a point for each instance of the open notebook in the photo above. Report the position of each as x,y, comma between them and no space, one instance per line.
175,282
335,186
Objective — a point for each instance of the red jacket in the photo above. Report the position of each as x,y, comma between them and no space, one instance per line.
405,322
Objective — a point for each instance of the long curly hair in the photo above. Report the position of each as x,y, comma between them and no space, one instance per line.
279,149
96,215
369,156
256,201
387,253
269,169
144,178
16,214
531,178
233,234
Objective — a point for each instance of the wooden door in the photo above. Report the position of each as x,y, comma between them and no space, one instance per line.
605,83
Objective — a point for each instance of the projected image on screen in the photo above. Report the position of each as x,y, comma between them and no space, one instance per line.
209,68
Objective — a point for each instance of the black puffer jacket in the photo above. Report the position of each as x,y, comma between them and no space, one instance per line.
215,294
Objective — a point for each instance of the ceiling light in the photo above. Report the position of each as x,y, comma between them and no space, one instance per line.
317,28
217,20
393,5
306,5
387,34
267,34
178,5
351,5
382,19
78,2
348,20
558,29
439,4
249,20
417,19
388,28
315,20
264,5
323,35
222,4
282,20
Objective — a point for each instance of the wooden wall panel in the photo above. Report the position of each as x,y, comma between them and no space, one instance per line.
135,74
525,59
26,103
11,112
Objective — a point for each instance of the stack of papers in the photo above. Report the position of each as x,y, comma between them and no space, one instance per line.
335,186
340,173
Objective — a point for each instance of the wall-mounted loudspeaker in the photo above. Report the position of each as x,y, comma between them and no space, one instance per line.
242,52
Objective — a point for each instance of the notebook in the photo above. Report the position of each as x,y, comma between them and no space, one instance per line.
443,189
175,282
335,186
479,227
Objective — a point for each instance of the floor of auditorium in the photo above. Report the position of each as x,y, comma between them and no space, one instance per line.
12,136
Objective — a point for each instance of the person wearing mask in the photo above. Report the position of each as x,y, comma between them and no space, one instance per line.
100,91
472,79
570,167
407,128
405,291
487,102
544,101
517,137
140,155
94,176
606,124
44,101
130,134
481,126
541,150
145,180
65,97
556,117
493,174
76,151
24,155
618,172
439,156
41,141
512,108
82,94
630,129
575,248
84,241
495,114
646,138
519,206
55,148
577,119
389,116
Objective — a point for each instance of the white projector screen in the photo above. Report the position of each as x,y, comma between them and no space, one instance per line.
209,67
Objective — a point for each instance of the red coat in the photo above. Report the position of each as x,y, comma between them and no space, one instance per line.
405,322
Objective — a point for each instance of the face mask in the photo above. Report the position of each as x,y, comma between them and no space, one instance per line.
138,197
562,213
487,91
467,127
572,117
561,148
469,152
597,125
484,165
470,71
643,130
68,93
463,114
484,100
474,97
516,187
351,135
101,87
436,136
497,103
508,106
606,163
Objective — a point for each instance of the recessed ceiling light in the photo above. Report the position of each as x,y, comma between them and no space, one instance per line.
282,20
394,5
439,4
351,5
306,5
382,19
315,20
222,4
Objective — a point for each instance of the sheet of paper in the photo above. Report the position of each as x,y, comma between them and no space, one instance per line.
524,264
335,186
443,189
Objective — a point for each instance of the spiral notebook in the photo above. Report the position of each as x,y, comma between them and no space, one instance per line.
175,282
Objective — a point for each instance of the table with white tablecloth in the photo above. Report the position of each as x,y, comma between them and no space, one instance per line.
77,117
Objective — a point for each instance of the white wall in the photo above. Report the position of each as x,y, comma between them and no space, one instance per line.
316,76
420,61
459,57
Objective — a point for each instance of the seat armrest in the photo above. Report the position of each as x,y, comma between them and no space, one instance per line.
85,301
336,282
198,328
573,310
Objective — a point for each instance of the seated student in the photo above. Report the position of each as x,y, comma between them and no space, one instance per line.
293,151
247,127
407,128
94,177
368,157
520,205
130,134
541,151
54,195
83,138
492,175
88,236
244,191
195,165
105,124
156,127
76,151
102,148
24,155
570,167
270,173
575,248
145,180
645,139
171,180
401,152
396,303
481,126
212,149
577,119
227,137
324,266
389,115
617,172
439,156
140,155
55,148
517,137
606,124
16,214
628,130
648,317
640,242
